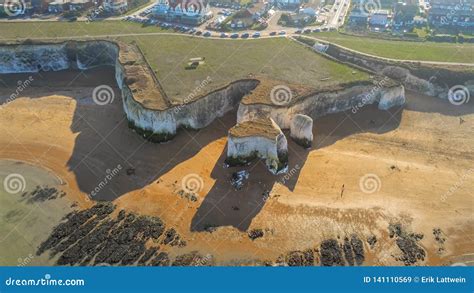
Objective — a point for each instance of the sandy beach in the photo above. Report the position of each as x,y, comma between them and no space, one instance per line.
367,169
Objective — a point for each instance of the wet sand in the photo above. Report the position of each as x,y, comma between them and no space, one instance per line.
420,155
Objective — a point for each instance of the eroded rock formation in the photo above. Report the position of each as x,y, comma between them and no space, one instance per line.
301,130
259,138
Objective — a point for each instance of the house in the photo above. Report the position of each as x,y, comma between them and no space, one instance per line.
242,19
404,14
296,19
452,13
115,6
78,5
190,12
58,6
358,17
287,4
379,19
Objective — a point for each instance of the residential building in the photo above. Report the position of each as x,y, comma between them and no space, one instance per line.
193,12
380,19
58,6
78,5
115,6
287,4
404,14
358,17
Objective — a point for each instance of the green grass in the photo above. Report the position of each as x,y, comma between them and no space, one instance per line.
426,51
226,61
72,29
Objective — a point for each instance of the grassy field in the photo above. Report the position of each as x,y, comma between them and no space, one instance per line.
34,30
226,61
427,51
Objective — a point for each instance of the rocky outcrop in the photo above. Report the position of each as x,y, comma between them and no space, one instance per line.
301,130
260,138
318,104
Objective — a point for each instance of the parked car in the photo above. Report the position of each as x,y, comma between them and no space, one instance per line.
298,31
273,33
198,33
307,31
207,34
316,30
234,36
256,35
281,33
224,35
244,35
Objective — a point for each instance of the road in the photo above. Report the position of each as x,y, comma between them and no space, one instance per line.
339,11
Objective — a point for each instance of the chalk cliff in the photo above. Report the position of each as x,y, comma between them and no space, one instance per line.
260,138
152,115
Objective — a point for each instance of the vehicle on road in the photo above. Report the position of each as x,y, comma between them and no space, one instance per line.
207,34
281,33
307,31
316,30
256,35
234,36
298,31
273,33
224,35
245,35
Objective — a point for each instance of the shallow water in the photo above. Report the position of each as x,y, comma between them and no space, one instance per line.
25,221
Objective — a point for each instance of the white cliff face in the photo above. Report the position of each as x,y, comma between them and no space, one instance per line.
33,58
321,104
391,97
274,150
301,130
